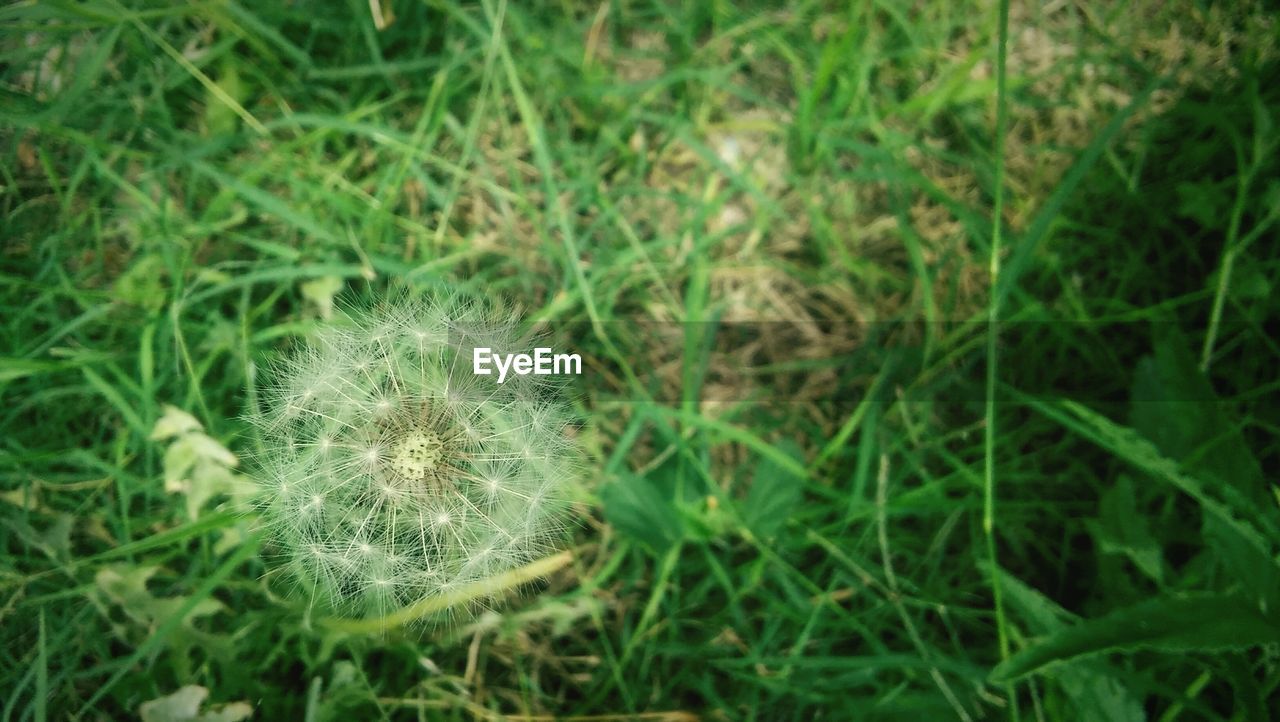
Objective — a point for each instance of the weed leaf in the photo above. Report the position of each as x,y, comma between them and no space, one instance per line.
1170,624
635,507
775,491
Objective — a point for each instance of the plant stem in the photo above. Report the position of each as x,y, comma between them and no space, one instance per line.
462,595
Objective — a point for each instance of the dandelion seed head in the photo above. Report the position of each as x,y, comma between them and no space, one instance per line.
390,472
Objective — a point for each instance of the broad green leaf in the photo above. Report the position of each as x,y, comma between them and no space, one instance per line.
1135,449
143,283
195,464
635,507
1174,405
1208,623
220,118
184,706
320,293
52,538
126,586
1205,202
206,448
1122,529
165,628
199,467
174,422
775,491
1092,687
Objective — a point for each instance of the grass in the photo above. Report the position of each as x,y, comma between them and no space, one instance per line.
930,354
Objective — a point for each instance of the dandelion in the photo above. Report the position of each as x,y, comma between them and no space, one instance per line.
391,473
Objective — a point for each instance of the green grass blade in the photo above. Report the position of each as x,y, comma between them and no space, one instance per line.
1025,247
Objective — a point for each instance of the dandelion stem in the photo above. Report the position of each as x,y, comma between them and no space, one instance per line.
462,595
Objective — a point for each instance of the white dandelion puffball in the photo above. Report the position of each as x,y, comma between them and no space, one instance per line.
392,473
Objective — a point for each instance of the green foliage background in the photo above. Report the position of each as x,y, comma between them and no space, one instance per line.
888,507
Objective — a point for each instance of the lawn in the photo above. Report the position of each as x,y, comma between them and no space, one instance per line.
928,357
